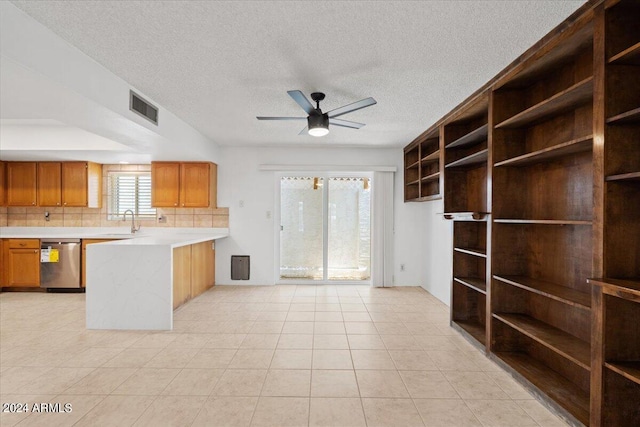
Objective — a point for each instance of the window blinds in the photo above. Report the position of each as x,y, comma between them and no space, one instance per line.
130,190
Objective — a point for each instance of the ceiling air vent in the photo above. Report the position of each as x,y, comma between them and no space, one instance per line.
140,106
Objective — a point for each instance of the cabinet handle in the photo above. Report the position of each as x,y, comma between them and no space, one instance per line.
33,203
65,203
58,204
35,252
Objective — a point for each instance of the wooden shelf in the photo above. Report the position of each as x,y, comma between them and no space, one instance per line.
631,116
629,56
431,157
432,177
565,393
473,328
417,181
413,165
427,198
472,251
542,221
629,370
473,159
619,287
576,95
633,176
578,145
474,283
473,137
550,290
568,346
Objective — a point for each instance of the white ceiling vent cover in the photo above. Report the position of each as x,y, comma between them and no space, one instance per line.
142,107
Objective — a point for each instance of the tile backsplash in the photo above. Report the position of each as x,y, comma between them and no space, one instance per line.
97,217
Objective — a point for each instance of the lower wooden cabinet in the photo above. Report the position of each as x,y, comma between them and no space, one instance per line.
193,271
21,263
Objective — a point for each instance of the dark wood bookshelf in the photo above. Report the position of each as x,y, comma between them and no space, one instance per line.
542,221
431,157
474,283
568,148
474,328
632,176
554,291
472,159
431,177
631,116
473,137
472,251
629,370
570,347
561,390
580,93
629,56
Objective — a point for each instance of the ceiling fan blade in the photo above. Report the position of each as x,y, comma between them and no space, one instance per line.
302,100
363,103
346,123
280,118
304,131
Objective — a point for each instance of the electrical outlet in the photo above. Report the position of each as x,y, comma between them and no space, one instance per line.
268,214
401,267
162,219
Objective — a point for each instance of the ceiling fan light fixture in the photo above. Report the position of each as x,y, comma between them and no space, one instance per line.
318,124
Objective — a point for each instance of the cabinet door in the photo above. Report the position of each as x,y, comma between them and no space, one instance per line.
203,260
49,184
74,184
165,185
3,184
21,184
23,267
195,182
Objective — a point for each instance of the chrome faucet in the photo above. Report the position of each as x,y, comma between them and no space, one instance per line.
133,217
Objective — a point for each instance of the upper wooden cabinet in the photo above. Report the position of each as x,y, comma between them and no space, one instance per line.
3,184
50,184
21,184
81,184
70,184
184,185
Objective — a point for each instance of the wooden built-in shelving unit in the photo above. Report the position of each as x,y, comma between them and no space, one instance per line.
422,168
540,173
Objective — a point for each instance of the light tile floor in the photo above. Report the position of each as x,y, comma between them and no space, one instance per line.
259,356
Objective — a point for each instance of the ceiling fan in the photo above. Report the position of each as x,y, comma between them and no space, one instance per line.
317,121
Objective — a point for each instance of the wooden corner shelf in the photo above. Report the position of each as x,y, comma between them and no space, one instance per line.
428,198
629,370
566,345
631,116
578,94
431,157
474,283
629,56
474,329
574,146
563,294
543,221
432,177
472,251
417,181
565,393
473,137
632,176
473,159
413,165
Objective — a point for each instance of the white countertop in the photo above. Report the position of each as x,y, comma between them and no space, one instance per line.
158,236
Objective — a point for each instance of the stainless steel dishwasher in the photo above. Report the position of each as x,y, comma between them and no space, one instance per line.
60,263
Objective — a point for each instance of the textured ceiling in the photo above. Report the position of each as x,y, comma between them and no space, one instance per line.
217,65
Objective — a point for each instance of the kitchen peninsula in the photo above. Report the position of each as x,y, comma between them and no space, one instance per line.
135,281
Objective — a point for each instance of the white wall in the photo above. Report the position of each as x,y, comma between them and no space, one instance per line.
252,233
437,249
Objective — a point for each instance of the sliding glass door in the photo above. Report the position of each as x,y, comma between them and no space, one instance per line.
325,228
